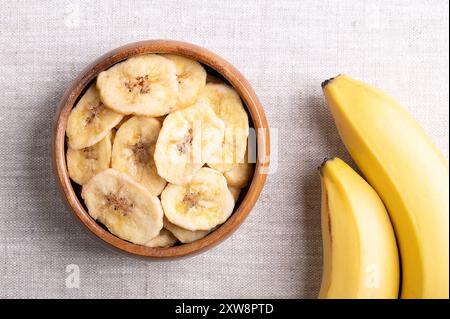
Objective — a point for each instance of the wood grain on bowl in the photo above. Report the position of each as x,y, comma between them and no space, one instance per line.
232,76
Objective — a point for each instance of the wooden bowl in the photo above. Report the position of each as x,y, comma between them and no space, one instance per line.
214,63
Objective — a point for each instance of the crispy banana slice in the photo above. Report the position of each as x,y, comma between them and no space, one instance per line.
187,140
240,174
125,207
142,85
163,240
90,121
202,204
184,235
235,192
133,150
191,78
83,164
227,105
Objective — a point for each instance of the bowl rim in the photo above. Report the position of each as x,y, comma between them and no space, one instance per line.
206,57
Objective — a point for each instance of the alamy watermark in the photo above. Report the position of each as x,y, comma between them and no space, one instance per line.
72,276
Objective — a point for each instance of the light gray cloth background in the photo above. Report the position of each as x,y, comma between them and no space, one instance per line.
285,49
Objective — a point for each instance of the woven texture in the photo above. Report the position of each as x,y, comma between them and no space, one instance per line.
285,49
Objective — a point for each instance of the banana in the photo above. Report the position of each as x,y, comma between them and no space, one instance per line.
84,163
164,239
183,235
191,77
227,105
202,204
240,174
125,207
360,252
235,192
133,150
90,121
142,85
409,173
187,140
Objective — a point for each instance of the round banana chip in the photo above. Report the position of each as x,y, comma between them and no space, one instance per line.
90,121
240,174
84,163
125,207
202,204
187,140
142,85
133,149
163,240
184,235
191,78
235,192
227,105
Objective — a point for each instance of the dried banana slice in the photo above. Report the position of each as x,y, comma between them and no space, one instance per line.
191,78
187,140
163,240
202,204
125,207
184,235
227,105
240,174
133,150
83,164
90,121
235,192
142,85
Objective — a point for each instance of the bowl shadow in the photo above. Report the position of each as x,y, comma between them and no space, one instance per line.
56,215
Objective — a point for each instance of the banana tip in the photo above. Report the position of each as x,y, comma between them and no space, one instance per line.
322,166
325,83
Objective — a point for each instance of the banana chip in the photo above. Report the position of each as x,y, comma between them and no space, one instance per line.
240,173
187,140
191,78
83,164
133,150
142,85
183,235
227,105
164,239
125,207
90,121
202,204
235,192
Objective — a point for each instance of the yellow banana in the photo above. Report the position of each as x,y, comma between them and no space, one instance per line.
407,171
360,252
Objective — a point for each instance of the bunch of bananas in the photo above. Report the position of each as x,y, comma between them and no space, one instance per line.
388,236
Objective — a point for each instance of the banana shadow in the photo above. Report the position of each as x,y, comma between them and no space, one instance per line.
324,130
